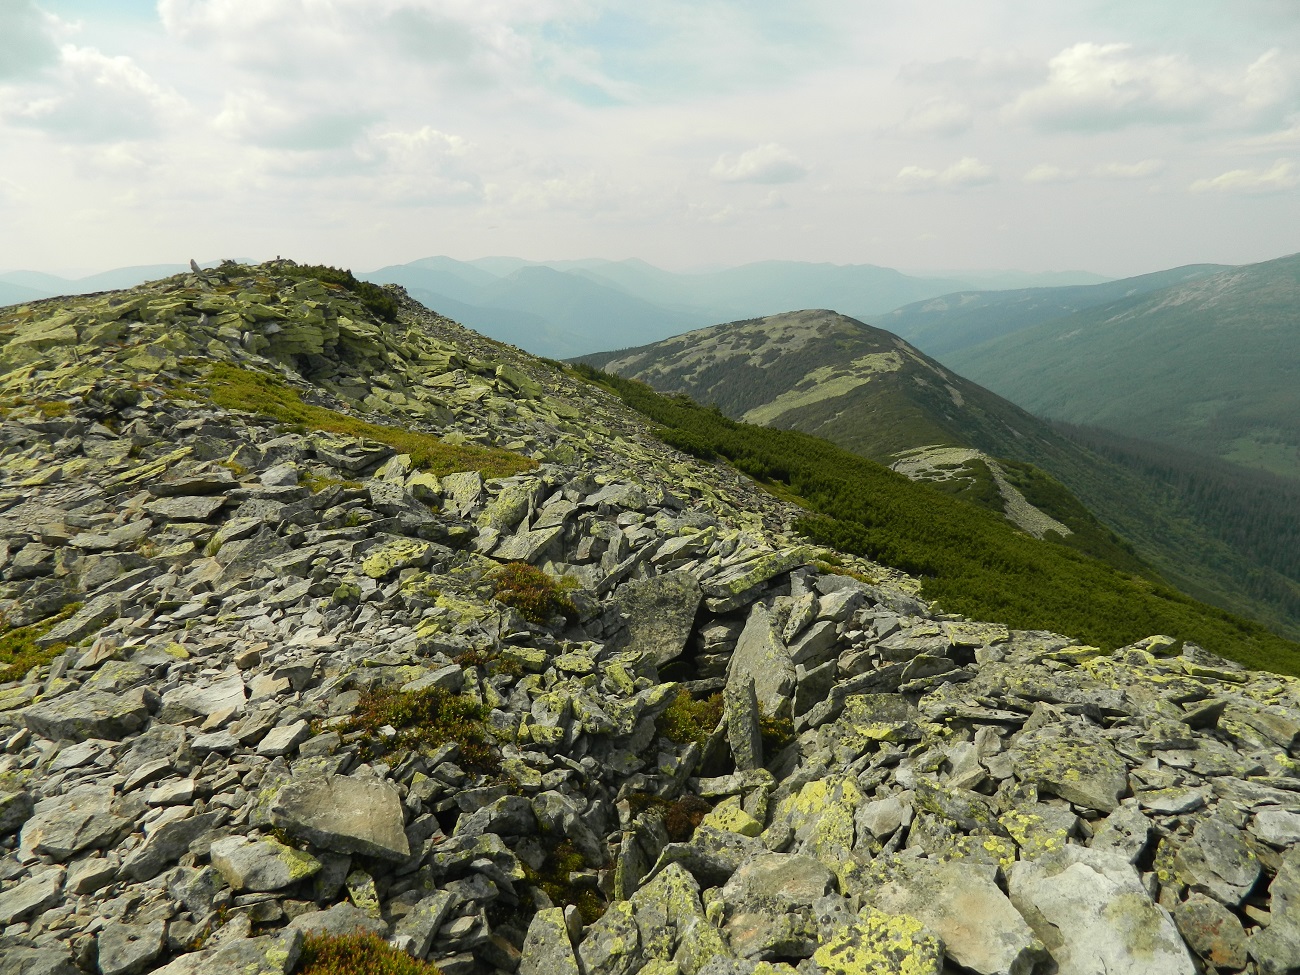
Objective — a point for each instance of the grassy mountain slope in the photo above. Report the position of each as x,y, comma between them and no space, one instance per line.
872,393
966,318
1212,365
970,559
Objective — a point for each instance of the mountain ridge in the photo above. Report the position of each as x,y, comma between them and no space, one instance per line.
325,614
872,393
1208,364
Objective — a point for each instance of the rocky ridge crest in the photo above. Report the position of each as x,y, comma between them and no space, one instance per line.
881,787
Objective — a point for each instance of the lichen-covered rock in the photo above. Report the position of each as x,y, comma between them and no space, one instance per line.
1212,931
876,943
963,906
548,949
261,866
1086,770
1092,913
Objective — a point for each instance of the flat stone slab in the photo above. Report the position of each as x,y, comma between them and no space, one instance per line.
761,655
63,826
1090,910
1086,772
346,814
659,614
31,896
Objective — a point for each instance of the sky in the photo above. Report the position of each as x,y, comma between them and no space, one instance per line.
1114,137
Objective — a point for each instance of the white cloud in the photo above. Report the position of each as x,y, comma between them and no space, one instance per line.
425,167
1108,86
1283,176
1138,170
770,163
937,117
26,44
968,172
253,117
1280,139
1047,173
97,98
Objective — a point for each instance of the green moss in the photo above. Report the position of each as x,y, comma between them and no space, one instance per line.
425,719
357,954
556,880
537,596
316,483
19,652
50,409
687,720
235,388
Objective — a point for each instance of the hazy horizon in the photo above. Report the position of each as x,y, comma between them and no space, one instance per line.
1117,139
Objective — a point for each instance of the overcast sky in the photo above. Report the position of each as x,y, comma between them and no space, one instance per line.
1118,136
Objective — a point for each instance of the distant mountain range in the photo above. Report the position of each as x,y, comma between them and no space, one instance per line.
1210,364
568,308
950,322
871,392
22,286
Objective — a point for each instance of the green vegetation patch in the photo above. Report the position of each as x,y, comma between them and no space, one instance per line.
235,388
357,954
970,560
50,409
425,719
687,720
560,878
537,596
378,301
19,652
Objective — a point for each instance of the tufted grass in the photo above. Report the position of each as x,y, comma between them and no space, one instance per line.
235,388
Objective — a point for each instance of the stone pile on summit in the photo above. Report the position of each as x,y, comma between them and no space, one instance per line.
544,695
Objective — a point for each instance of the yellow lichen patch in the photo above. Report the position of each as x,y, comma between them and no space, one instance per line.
821,814
731,817
881,944
1033,834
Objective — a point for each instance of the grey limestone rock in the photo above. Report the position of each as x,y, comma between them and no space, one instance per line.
658,613
962,904
31,896
261,865
1217,861
128,949
346,814
89,714
760,656
1092,913
548,949
82,818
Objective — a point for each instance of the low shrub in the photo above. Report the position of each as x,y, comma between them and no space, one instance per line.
426,719
556,880
537,596
378,301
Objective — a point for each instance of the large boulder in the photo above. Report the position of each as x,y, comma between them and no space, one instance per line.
344,813
1090,910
